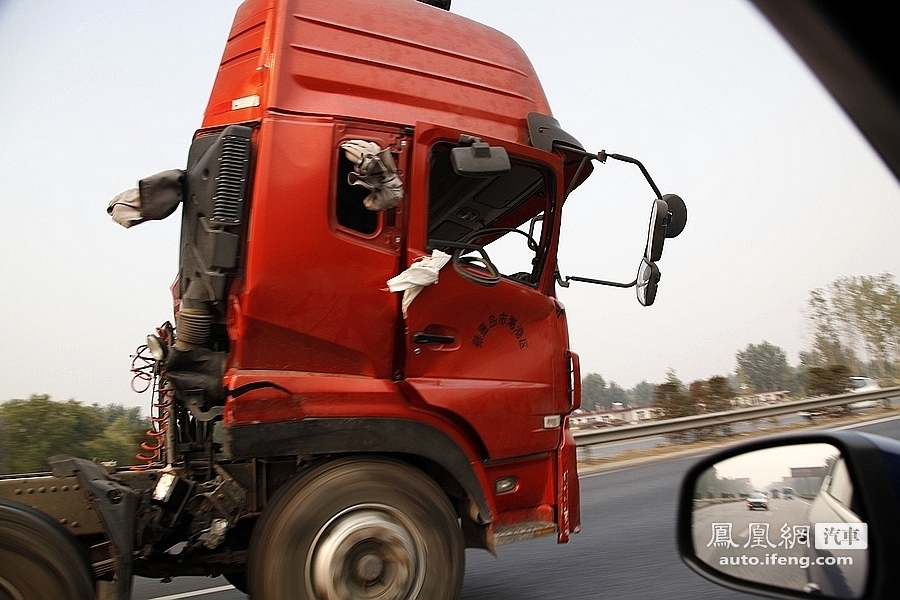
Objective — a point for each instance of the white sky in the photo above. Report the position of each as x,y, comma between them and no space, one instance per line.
783,194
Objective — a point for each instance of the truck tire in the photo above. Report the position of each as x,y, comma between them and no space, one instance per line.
358,528
39,559
238,579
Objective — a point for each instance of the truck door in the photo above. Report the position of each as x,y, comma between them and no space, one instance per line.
490,350
313,298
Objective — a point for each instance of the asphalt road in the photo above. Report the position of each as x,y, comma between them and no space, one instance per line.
626,549
780,512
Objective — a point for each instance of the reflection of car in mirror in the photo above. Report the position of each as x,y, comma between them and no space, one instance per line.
727,533
836,503
757,500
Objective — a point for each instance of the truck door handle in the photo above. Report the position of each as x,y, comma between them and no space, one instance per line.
420,337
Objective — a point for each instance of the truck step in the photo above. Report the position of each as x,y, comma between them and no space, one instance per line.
508,534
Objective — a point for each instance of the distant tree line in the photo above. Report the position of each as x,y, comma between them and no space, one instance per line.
674,399
764,368
597,395
35,429
855,323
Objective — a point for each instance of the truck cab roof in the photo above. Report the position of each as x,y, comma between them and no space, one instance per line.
393,61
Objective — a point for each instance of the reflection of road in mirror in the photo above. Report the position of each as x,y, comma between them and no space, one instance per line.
755,516
755,549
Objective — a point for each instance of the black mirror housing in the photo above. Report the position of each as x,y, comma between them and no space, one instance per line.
677,215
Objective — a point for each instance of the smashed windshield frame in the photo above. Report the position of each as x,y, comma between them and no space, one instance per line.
502,213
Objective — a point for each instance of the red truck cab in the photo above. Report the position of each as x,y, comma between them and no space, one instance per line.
476,379
312,333
317,435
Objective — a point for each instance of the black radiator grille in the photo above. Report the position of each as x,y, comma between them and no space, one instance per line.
231,184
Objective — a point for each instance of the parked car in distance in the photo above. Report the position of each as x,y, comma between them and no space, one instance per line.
757,500
861,385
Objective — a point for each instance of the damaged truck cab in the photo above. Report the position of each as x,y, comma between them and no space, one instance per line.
476,378
317,435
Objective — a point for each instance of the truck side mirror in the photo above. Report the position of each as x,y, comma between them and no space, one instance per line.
647,282
656,233
668,217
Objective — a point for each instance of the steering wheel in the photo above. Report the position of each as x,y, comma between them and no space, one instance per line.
493,274
483,261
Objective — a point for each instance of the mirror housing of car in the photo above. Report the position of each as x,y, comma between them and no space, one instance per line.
831,526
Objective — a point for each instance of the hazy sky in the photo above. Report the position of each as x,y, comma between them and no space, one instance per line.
783,194
774,464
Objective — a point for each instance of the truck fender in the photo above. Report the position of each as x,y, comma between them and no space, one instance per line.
354,435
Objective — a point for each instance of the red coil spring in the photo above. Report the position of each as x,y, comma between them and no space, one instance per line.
159,425
143,366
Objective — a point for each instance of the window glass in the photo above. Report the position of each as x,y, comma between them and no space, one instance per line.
351,213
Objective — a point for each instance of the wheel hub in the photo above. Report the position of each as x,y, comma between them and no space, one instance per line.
367,552
369,569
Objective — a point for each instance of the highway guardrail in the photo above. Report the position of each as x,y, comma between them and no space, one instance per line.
662,427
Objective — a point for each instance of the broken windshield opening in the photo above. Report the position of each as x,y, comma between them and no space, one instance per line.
501,213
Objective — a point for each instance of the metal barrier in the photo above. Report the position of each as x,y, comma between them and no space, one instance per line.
631,432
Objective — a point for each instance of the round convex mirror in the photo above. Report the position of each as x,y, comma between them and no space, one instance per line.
647,281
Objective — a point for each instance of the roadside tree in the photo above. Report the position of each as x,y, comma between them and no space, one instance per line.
763,367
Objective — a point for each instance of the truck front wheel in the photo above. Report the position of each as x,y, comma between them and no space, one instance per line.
358,528
39,559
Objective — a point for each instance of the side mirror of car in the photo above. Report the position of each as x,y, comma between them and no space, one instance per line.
797,515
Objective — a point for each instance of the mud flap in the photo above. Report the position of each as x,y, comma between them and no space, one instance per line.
568,517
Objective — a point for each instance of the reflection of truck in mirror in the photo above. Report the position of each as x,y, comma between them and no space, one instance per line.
316,435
